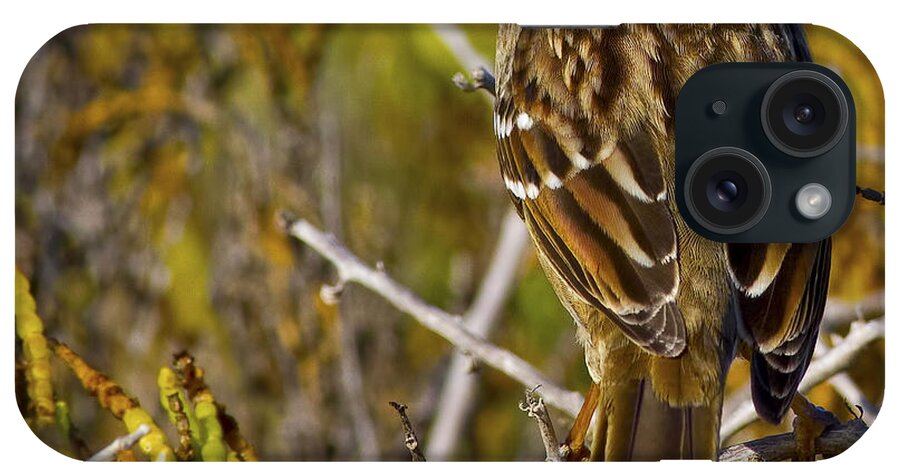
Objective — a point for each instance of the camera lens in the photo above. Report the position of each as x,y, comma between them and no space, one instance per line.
727,190
804,113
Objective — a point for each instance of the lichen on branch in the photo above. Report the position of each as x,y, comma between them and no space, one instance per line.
111,396
30,330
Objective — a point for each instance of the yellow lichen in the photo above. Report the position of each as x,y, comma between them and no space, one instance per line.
30,329
112,397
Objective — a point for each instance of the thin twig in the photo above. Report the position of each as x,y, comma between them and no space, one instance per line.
481,79
843,384
821,369
458,390
449,326
842,355
833,441
350,369
409,438
458,43
871,194
121,443
535,408
839,314
852,394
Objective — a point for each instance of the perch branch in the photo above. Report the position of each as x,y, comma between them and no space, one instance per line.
458,390
121,443
535,408
821,369
783,447
410,438
449,326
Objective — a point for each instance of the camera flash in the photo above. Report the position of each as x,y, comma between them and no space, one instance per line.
813,201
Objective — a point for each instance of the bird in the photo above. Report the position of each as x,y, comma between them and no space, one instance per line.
583,119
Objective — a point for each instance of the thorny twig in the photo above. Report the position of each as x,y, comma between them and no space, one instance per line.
410,438
535,408
121,443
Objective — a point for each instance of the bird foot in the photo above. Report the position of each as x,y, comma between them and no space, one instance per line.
810,421
567,452
574,449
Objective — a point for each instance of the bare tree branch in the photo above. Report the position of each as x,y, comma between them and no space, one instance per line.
121,443
845,386
871,194
839,314
853,395
481,79
458,43
351,379
782,447
841,355
535,408
410,438
874,153
451,327
460,384
821,369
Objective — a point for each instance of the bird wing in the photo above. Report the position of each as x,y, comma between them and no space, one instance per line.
594,200
781,292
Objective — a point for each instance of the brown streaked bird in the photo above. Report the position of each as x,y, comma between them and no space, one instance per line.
584,128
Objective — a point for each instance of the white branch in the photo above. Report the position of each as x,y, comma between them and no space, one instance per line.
451,327
458,43
460,383
351,379
839,314
853,395
456,40
121,443
821,369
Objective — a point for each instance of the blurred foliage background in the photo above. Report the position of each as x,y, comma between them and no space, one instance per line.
150,164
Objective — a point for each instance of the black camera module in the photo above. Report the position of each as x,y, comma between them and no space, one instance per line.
804,113
727,190
765,152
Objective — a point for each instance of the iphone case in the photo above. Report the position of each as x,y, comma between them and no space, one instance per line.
414,242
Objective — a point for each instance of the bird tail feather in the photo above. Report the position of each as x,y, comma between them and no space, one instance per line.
634,425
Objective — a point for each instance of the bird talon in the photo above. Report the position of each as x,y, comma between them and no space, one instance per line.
569,452
574,449
810,421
